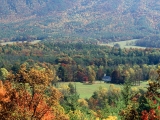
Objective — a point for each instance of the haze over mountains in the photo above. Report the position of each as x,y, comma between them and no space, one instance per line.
103,20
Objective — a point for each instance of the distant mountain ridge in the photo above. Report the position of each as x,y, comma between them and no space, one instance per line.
102,20
32,7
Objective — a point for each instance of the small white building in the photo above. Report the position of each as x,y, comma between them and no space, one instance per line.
106,78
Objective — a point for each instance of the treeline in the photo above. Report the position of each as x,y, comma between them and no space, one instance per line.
84,62
150,41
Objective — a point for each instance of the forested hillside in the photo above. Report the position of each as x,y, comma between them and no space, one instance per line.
27,8
98,20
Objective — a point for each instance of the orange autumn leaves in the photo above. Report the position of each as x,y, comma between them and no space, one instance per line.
20,104
28,95
2,90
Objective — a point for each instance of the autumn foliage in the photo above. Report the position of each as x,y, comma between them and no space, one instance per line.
151,115
29,95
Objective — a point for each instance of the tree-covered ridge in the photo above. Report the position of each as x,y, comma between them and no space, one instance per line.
101,20
26,8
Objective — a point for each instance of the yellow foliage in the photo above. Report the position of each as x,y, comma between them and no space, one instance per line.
108,118
114,90
150,81
64,89
33,76
134,89
111,86
83,102
59,113
3,73
97,118
111,118
76,114
102,91
93,112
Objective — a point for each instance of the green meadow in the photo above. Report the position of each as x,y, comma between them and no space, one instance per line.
125,44
87,90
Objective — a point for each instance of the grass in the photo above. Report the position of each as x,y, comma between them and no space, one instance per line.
11,43
86,91
123,44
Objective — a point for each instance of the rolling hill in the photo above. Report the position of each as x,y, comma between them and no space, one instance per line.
102,20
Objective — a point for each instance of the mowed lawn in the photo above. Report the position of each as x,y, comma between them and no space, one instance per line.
86,90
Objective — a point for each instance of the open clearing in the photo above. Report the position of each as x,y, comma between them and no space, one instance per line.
11,43
86,91
125,44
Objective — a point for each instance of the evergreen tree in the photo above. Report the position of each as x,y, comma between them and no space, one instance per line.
126,92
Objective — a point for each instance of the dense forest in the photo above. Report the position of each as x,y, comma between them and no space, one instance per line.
29,74
80,60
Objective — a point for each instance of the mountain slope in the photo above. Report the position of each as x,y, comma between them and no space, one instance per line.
104,20
32,7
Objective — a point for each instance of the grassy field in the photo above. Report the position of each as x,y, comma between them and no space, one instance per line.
86,91
125,44
11,43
